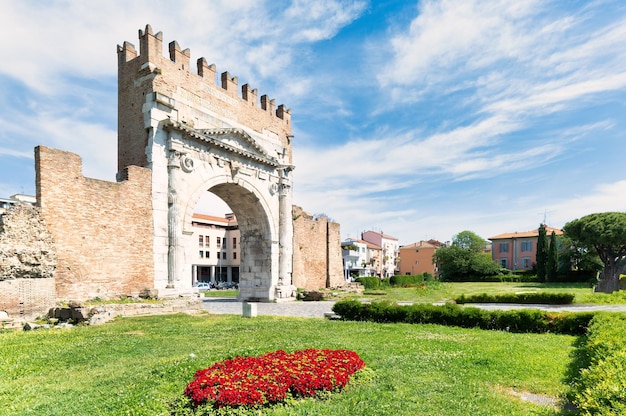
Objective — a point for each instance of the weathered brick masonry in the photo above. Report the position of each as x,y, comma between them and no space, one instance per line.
317,261
102,230
179,135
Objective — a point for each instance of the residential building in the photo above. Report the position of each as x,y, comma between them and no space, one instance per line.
518,250
6,203
360,258
417,258
218,242
389,255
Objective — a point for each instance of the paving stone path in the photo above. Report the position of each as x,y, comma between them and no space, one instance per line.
293,308
318,309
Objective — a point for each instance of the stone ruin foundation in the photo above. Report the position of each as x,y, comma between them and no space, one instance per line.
27,263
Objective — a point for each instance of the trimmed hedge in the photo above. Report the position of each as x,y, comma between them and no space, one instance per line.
406,281
523,298
369,282
601,387
524,320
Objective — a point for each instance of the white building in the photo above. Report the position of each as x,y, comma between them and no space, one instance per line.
6,203
218,244
360,258
390,251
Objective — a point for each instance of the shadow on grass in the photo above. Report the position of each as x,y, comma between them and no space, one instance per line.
580,360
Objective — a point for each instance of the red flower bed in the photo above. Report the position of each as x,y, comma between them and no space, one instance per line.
270,378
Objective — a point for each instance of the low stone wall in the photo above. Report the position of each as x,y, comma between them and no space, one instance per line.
94,315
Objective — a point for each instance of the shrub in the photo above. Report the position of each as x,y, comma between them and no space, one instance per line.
601,389
523,298
454,315
369,282
406,281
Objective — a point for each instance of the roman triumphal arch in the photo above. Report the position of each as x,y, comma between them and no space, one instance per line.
197,136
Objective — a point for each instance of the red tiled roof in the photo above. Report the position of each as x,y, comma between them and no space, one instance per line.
526,234
388,237
211,218
419,244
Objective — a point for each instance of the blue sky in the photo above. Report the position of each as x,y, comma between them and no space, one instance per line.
420,119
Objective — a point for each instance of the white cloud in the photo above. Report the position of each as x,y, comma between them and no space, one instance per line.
602,198
52,40
450,36
15,153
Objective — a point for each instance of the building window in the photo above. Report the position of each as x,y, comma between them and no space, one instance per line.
526,263
200,241
201,253
504,247
527,246
207,254
234,255
504,262
218,255
224,255
207,241
234,243
219,241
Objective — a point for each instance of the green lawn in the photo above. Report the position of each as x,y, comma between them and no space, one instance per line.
138,366
441,292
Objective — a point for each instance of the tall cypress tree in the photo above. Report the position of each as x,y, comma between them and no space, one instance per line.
542,254
553,260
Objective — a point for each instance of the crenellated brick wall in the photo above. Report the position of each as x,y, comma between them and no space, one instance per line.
102,230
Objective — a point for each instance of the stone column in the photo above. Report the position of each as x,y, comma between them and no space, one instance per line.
285,289
178,164
174,229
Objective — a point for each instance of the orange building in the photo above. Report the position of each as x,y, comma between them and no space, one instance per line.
417,258
518,251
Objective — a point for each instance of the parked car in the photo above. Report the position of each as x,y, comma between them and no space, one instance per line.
202,286
227,285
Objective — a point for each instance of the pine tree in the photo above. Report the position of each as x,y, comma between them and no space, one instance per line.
542,254
553,260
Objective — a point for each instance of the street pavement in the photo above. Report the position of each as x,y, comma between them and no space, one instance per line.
552,308
289,308
317,309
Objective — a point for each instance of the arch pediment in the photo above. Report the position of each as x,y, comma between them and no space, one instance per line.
231,139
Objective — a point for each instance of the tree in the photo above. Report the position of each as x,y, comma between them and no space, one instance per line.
605,233
553,260
468,240
579,260
465,258
542,254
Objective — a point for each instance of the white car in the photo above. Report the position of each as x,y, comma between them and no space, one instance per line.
202,286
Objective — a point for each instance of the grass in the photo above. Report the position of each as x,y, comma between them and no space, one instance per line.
431,292
230,293
139,366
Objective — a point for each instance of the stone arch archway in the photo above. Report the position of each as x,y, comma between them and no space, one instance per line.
256,186
195,135
258,241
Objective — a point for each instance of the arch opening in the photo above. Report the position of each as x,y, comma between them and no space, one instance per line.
237,242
